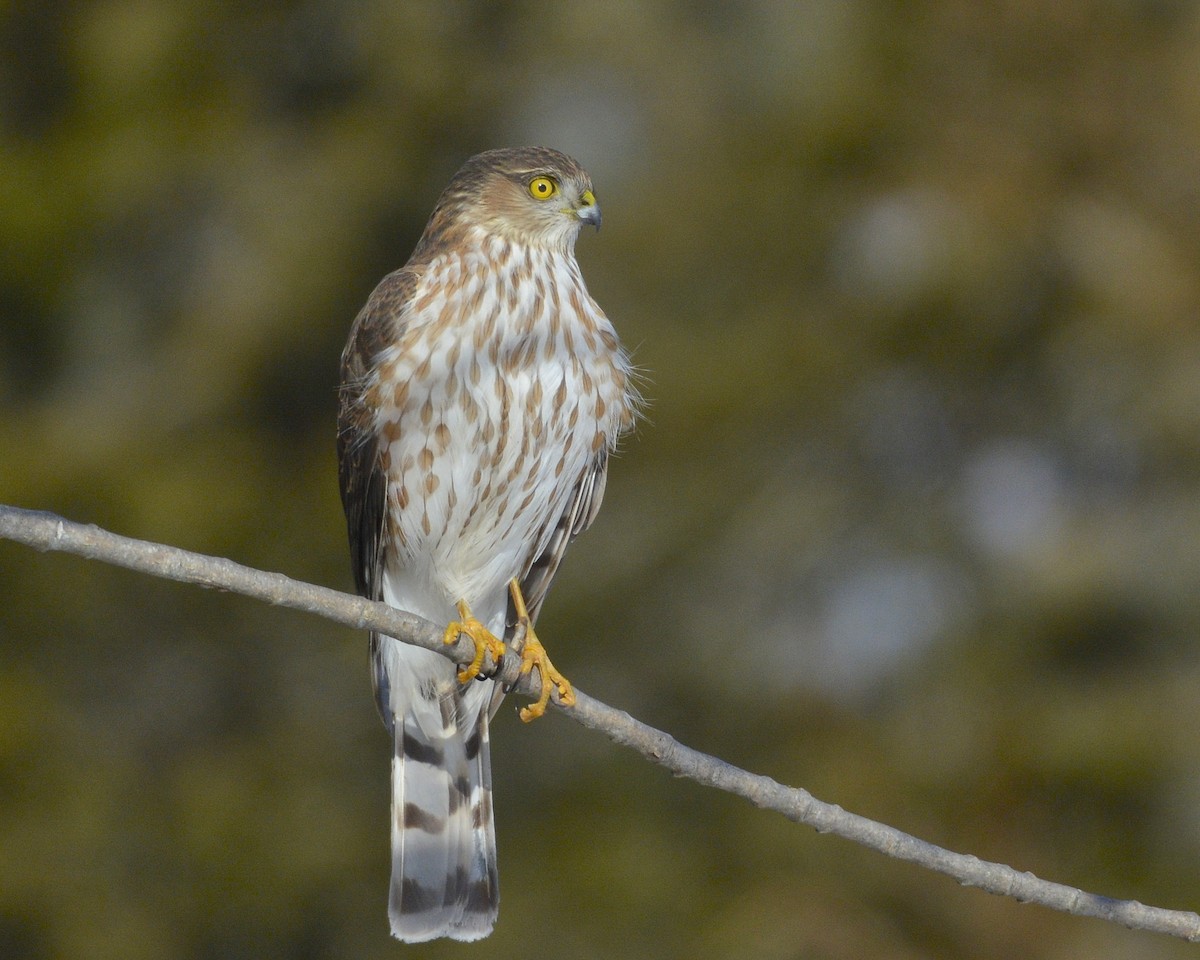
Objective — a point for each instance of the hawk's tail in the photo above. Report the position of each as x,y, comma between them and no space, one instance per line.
444,881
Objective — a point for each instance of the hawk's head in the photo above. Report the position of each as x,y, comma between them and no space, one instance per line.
530,195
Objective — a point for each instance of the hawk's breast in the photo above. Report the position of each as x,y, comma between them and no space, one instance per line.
506,383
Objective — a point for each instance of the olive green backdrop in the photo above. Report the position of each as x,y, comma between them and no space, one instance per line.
913,519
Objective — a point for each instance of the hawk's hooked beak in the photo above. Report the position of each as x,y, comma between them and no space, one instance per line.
589,212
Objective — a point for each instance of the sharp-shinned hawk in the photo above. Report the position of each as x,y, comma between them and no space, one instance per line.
482,392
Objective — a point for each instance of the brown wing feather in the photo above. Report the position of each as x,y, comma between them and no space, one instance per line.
360,472
580,512
363,483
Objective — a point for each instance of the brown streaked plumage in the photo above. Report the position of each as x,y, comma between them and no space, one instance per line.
482,392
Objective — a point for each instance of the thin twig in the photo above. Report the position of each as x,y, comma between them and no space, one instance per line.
46,531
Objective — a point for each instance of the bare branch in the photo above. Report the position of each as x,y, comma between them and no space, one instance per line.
46,531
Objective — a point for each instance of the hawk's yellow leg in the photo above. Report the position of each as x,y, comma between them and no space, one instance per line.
533,654
485,641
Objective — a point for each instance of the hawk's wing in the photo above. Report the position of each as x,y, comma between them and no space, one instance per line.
363,480
581,511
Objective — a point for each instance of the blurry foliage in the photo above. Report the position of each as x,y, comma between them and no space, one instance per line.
911,522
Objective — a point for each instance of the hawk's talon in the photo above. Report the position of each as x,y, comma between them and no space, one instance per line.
485,641
533,654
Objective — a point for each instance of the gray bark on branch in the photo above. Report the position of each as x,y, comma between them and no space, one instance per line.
47,531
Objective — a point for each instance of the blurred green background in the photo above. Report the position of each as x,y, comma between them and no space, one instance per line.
913,520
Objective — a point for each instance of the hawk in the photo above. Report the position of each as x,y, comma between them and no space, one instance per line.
482,392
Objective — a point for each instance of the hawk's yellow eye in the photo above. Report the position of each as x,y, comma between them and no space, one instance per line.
542,188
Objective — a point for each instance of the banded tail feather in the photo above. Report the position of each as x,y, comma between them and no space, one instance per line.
444,881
